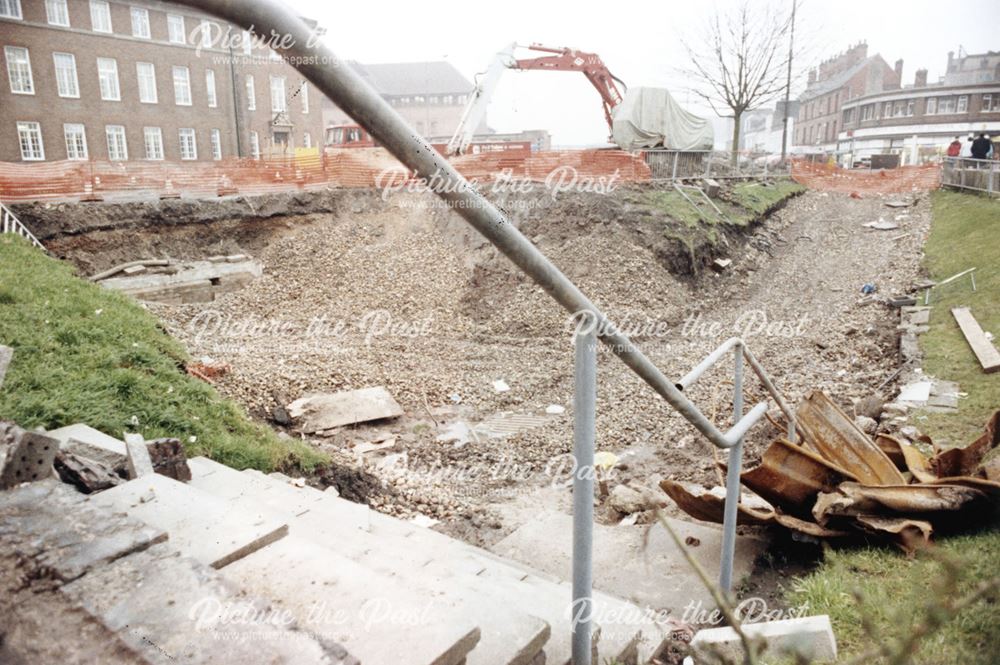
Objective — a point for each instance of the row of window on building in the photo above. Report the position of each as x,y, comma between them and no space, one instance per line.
433,100
67,83
57,14
941,105
32,146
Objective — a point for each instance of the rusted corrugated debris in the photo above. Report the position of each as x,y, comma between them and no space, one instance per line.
837,482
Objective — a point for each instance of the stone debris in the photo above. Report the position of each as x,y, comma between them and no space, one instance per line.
6,354
24,456
168,458
86,474
317,413
804,639
139,462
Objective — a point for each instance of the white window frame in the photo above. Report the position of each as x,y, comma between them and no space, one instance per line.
57,13
67,81
153,133
962,104
279,103
254,145
22,82
931,108
216,138
110,76
189,152
182,85
100,11
76,144
986,103
113,134
11,9
36,130
175,21
140,29
146,82
213,99
304,95
306,140
251,93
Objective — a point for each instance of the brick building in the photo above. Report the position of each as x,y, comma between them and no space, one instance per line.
836,81
114,80
919,120
430,96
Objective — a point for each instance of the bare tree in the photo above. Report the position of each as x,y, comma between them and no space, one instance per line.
738,61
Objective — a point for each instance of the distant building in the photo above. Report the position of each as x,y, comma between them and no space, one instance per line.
430,96
919,120
762,129
845,77
125,81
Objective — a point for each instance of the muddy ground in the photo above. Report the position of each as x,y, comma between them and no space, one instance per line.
399,292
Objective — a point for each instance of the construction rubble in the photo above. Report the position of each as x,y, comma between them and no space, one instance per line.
836,482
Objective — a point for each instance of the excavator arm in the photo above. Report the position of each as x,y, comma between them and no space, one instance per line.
561,59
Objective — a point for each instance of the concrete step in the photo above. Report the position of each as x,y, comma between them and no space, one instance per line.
169,608
378,620
448,567
200,525
508,634
275,495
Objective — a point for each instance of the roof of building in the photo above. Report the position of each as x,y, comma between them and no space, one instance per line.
415,78
836,81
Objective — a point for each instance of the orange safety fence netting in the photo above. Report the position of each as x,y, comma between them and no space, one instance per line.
359,167
829,178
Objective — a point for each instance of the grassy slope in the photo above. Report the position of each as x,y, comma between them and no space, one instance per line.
964,234
86,354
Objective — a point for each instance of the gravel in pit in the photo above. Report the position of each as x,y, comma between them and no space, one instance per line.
405,296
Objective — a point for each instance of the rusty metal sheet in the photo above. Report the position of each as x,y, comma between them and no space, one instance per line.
808,528
906,457
701,504
837,439
990,487
910,535
790,477
965,461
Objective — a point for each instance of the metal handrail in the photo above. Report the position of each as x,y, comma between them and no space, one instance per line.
9,223
341,83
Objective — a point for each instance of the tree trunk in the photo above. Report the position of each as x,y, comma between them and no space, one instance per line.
734,157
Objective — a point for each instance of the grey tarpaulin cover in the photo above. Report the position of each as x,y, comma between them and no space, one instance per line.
650,117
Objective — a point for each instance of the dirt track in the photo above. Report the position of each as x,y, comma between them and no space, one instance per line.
447,317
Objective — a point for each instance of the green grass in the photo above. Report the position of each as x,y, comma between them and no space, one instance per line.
86,354
758,199
893,588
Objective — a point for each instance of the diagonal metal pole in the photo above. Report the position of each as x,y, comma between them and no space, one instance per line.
584,412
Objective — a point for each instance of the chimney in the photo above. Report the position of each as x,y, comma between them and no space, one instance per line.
812,76
920,78
899,70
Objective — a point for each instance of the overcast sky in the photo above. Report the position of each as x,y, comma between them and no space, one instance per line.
638,41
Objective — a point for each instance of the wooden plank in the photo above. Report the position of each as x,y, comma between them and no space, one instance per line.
988,356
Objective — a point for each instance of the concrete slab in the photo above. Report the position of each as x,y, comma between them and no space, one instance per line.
809,637
274,495
210,530
509,634
626,566
377,619
138,460
25,456
86,441
321,412
168,609
55,527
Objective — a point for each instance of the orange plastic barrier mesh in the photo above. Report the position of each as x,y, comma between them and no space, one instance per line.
858,181
362,167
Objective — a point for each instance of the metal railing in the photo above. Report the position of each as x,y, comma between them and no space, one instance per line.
342,84
9,223
977,175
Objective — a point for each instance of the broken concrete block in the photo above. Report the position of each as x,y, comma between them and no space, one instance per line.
87,475
168,459
24,456
6,353
809,637
626,500
85,441
719,265
322,412
139,463
711,187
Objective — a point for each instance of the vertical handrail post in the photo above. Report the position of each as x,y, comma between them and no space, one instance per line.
584,408
732,479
